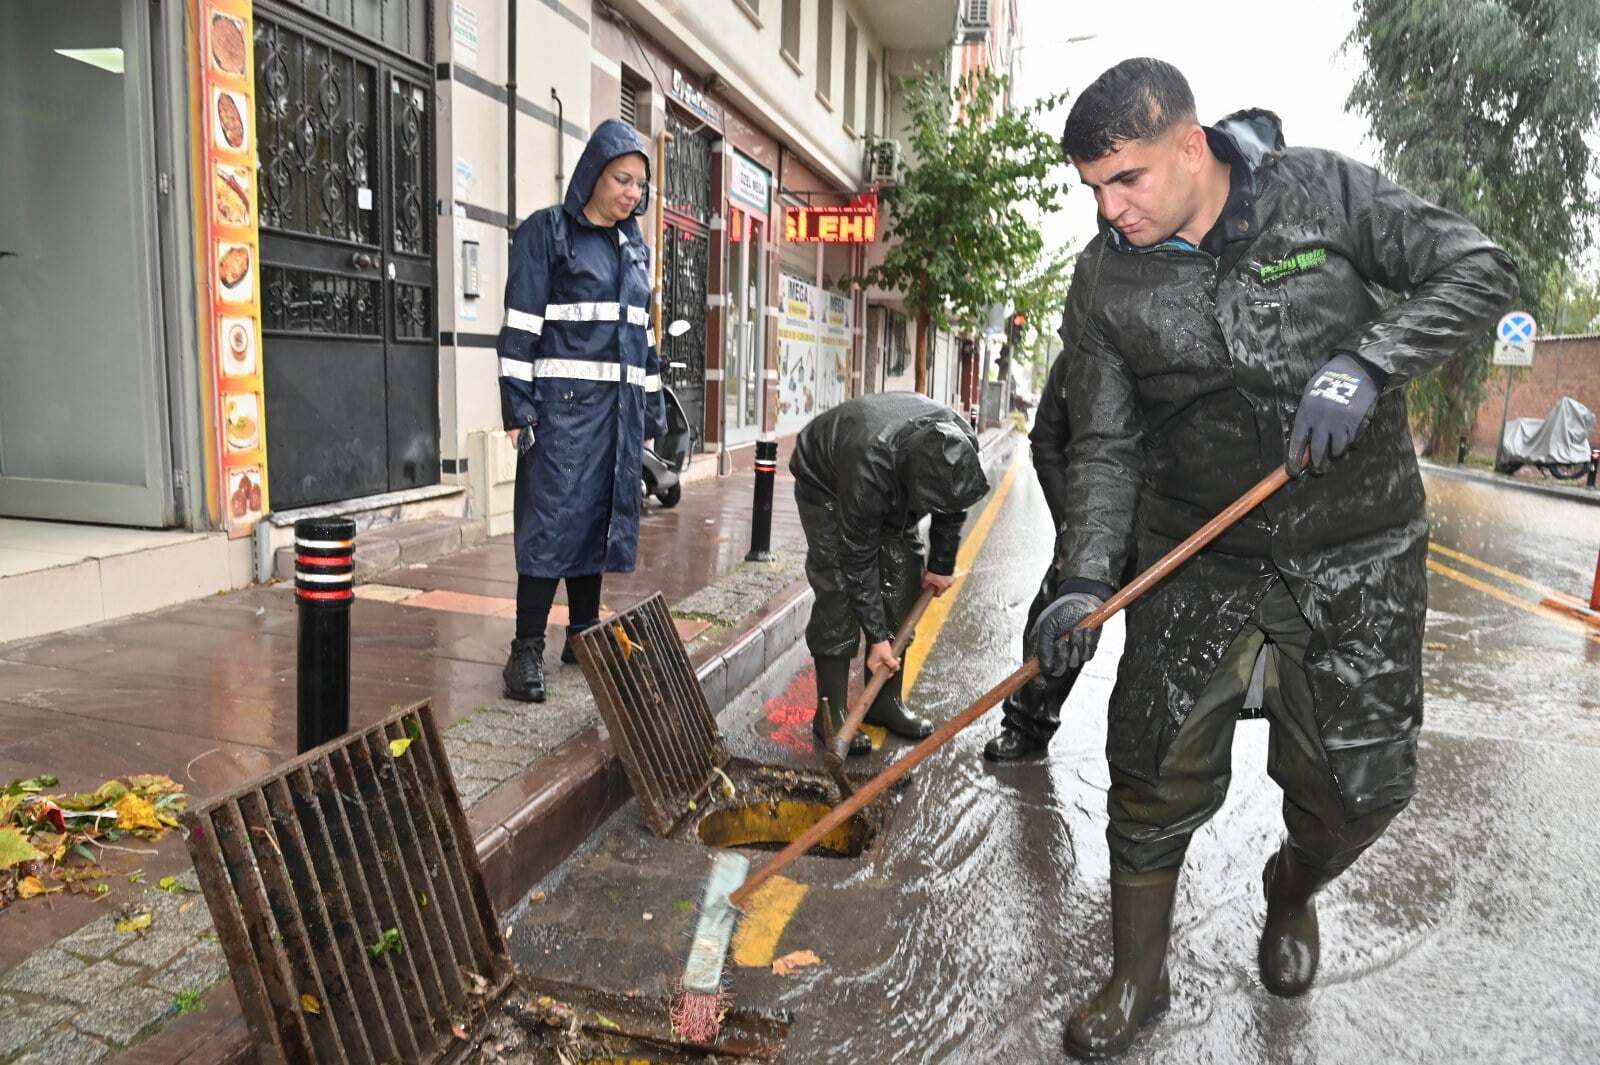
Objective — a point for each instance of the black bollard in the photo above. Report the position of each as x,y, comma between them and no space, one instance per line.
761,518
1461,451
1594,464
324,585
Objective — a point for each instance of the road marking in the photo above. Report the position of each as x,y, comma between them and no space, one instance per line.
766,915
1503,574
939,610
1512,600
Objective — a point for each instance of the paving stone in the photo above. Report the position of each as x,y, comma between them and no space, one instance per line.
475,790
23,1022
174,910
121,1015
199,968
99,981
97,940
43,972
158,946
66,1047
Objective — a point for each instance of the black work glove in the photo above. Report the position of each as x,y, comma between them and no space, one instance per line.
1333,411
1057,655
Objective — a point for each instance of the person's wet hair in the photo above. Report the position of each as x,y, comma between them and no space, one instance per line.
1135,100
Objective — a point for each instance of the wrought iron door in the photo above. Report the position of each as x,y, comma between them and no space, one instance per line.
350,357
685,258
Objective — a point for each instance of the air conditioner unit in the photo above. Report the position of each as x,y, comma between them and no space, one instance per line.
884,162
974,22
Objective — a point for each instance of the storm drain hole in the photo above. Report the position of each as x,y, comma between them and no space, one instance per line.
774,823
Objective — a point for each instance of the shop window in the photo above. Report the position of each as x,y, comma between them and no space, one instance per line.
791,30
635,101
850,43
825,51
872,95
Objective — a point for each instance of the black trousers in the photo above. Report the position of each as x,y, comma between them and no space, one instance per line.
535,594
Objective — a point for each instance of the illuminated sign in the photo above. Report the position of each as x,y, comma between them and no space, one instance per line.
856,223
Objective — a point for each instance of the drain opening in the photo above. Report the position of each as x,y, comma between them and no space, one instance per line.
772,824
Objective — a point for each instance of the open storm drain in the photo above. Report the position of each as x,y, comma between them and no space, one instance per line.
546,1022
687,784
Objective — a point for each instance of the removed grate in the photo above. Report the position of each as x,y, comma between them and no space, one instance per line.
654,709
348,900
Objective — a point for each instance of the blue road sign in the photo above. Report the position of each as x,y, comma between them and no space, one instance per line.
1518,328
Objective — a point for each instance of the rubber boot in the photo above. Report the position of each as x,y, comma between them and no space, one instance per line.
1138,991
1014,745
833,691
889,710
569,657
524,672
1289,944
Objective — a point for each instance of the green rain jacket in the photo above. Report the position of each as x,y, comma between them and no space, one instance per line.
1185,372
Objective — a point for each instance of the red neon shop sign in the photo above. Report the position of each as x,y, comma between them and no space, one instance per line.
855,223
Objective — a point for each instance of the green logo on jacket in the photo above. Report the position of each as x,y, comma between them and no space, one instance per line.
1297,263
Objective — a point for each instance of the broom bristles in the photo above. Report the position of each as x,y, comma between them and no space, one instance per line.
701,999
697,1017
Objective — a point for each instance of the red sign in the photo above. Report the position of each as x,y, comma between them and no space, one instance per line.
856,223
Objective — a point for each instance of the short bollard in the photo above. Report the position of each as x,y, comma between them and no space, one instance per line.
1594,589
1461,451
1594,465
324,585
761,517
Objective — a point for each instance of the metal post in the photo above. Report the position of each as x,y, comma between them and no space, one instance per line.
761,516
1594,464
1461,451
1505,412
324,585
1594,589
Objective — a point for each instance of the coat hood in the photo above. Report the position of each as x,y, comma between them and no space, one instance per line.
943,474
1256,131
610,139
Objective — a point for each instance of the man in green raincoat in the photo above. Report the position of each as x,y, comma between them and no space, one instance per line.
866,474
1229,318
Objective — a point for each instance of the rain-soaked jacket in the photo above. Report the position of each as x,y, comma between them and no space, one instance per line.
887,461
1049,439
578,363
1185,373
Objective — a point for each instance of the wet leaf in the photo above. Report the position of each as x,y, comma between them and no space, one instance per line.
31,785
388,943
136,923
458,1030
793,961
84,852
309,1004
106,795
151,785
413,730
170,885
1438,646
606,1022
398,747
102,889
422,899
31,886
136,877
8,806
15,848
135,813
187,906
536,896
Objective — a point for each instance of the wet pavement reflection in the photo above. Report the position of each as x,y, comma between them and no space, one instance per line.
1470,932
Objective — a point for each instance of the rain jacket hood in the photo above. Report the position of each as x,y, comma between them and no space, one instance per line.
610,140
1182,377
884,462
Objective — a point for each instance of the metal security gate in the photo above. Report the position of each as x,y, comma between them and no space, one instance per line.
346,177
685,257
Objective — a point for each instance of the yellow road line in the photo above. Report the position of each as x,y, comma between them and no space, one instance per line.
939,610
766,915
1512,600
1503,574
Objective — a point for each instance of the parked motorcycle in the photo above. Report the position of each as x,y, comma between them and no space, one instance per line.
666,458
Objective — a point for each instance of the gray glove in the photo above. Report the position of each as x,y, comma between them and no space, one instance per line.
1333,410
1057,655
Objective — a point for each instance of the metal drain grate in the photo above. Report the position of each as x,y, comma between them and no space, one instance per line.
654,709
347,897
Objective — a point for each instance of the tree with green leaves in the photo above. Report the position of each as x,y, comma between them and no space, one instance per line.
962,238
1483,107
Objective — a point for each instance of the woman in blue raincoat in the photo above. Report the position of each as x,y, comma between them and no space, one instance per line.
580,392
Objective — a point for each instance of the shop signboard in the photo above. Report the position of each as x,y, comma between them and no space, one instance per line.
230,299
855,223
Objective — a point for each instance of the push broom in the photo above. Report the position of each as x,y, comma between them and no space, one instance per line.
698,1015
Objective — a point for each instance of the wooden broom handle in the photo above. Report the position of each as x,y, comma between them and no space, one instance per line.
858,712
1030,669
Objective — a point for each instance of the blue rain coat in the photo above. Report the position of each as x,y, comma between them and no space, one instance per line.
578,364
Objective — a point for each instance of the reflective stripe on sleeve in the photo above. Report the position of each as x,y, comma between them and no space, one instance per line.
652,382
517,368
528,323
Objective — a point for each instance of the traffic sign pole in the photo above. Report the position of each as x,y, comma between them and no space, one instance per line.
1516,333
1505,413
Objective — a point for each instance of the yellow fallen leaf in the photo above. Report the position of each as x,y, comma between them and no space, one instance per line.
135,813
789,963
310,1004
29,886
137,923
627,645
398,747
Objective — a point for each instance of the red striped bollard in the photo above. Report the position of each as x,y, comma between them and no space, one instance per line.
324,586
1594,589
761,517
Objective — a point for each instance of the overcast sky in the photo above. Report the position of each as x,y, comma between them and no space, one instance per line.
1235,53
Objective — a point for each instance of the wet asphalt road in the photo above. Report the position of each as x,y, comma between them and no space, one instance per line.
1469,933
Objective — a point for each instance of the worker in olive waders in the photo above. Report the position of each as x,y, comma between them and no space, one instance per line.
580,393
1228,319
866,473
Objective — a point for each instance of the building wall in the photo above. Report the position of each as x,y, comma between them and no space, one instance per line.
1562,366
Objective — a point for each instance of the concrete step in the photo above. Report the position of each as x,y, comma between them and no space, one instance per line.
386,547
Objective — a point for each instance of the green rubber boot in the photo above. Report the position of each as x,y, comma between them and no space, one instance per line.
1290,947
833,696
1138,991
889,710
